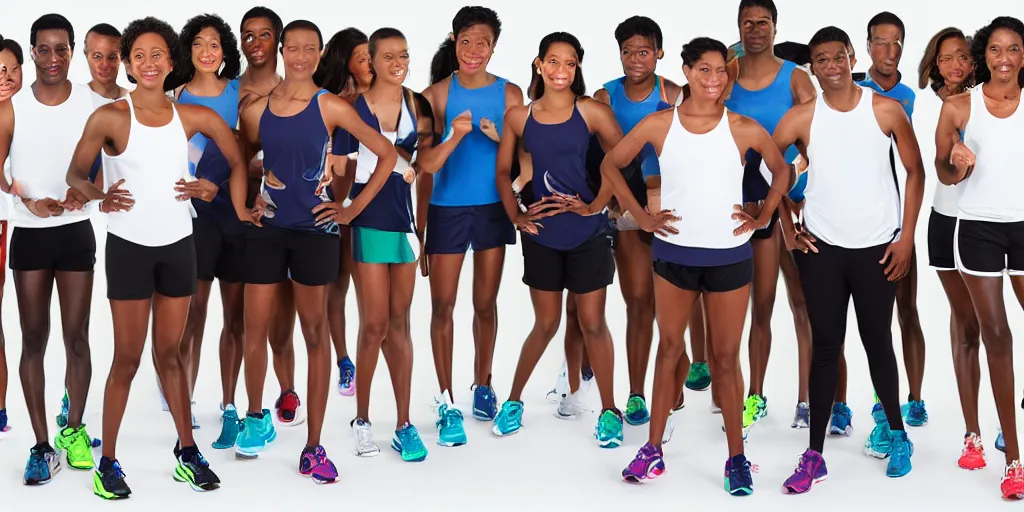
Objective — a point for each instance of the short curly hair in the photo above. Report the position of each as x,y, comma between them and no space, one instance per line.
228,42
150,25
979,45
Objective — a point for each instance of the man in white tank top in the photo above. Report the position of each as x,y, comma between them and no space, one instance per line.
53,239
857,240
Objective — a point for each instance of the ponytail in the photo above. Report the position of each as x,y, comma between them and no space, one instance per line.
444,62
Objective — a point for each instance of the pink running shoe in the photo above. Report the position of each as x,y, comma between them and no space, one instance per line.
973,455
315,464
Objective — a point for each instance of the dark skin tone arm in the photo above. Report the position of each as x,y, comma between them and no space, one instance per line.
601,120
6,138
894,121
750,135
101,131
199,119
794,128
952,162
802,87
238,182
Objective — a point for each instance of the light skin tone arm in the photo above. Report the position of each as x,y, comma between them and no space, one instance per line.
953,160
894,121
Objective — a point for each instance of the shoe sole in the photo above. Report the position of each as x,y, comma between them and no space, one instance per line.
253,453
53,472
816,481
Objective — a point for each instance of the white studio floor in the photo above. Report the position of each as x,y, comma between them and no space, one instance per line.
550,465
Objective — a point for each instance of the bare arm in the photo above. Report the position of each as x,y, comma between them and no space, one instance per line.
952,119
602,96
338,113
6,138
98,129
514,120
652,129
803,88
910,155
793,128
204,120
782,172
600,117
238,182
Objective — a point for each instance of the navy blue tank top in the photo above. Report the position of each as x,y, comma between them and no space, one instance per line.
559,153
391,208
295,173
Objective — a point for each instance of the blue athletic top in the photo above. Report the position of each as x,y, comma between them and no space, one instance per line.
206,159
629,113
900,92
391,209
559,153
467,177
295,174
766,106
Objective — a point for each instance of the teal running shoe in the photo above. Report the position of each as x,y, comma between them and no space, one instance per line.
407,442
636,410
229,428
450,429
879,441
608,430
509,419
257,432
65,407
699,377
914,413
901,449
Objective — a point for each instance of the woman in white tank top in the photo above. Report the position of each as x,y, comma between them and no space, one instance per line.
151,262
978,143
707,251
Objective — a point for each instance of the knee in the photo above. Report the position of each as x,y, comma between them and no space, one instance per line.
969,330
593,328
671,347
639,305
997,338
235,325
442,309
761,310
906,312
546,326
485,309
399,323
374,329
125,366
166,354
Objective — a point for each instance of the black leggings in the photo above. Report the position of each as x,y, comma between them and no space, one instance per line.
829,278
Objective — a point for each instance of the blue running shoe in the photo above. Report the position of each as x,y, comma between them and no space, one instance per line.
879,441
256,433
346,377
509,419
407,442
1000,442
485,403
608,430
842,420
901,451
878,414
450,430
43,464
230,425
914,414
3,422
636,410
738,480
65,407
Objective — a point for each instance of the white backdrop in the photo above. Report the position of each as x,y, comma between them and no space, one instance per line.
550,464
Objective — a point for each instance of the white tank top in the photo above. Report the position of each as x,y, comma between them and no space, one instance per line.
702,180
992,192
853,199
153,161
44,142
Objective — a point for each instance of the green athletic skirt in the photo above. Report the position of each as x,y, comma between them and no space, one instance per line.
388,247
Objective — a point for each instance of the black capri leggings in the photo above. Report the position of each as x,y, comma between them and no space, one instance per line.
829,278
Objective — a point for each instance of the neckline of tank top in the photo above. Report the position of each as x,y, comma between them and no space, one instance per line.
227,85
866,78
455,81
575,109
1020,101
135,119
863,91
659,87
71,93
677,121
316,97
778,76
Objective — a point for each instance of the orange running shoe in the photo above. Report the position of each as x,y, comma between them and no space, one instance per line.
973,455
1013,481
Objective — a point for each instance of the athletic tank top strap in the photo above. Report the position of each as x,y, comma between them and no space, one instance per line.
391,209
207,161
702,182
767,105
559,153
992,192
853,198
152,162
467,176
295,174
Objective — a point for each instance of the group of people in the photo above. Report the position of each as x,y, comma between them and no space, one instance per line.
285,188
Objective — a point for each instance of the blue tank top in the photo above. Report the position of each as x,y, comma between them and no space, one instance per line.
295,174
207,161
391,209
467,177
559,153
629,113
766,106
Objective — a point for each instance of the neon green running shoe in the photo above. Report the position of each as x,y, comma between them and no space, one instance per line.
754,408
78,446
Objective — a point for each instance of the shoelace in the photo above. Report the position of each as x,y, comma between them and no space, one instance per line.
411,438
448,416
37,463
972,443
116,473
346,374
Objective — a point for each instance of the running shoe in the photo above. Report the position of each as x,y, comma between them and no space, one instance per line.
569,407
4,427
43,463
842,420
738,478
608,430
256,433
485,403
77,445
914,413
65,407
509,419
313,462
802,416
108,481
1000,442
561,384
810,470
449,423
407,442
648,464
195,422
287,408
636,410
699,377
346,377
230,425
362,433
1012,485
754,408
879,441
670,428
193,470
878,413
973,455
901,452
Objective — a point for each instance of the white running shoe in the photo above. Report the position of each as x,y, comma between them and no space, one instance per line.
362,432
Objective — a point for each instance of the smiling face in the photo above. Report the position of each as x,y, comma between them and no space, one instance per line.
258,41
52,55
707,77
757,31
300,52
359,65
149,61
558,67
639,58
474,47
830,63
207,52
954,61
101,52
391,60
1003,55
